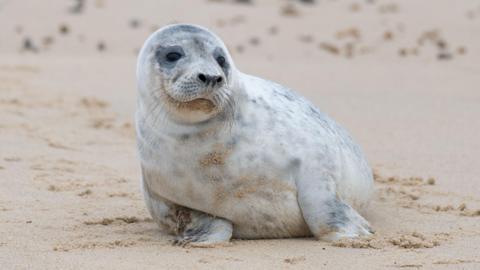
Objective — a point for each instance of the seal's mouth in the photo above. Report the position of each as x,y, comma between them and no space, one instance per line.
199,104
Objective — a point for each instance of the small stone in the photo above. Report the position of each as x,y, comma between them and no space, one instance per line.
78,7
388,35
441,44
134,23
329,48
53,188
249,2
352,33
64,29
28,45
290,10
85,193
444,56
254,41
414,197
101,46
308,1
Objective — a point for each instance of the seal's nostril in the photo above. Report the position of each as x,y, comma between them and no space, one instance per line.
202,77
219,79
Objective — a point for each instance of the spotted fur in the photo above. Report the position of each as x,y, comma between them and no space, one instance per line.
264,163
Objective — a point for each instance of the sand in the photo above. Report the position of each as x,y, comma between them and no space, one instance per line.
402,76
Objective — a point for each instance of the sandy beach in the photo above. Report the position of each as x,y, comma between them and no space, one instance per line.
402,76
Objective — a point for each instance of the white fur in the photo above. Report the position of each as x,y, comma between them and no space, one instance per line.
282,168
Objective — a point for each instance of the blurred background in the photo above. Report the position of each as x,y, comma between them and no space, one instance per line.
403,76
403,68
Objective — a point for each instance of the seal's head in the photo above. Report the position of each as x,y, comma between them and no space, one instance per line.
186,72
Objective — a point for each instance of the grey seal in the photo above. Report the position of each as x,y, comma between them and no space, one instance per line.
224,154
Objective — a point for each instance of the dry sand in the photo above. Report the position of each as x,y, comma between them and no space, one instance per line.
402,76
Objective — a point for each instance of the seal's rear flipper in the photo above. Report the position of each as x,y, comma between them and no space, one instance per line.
327,216
345,223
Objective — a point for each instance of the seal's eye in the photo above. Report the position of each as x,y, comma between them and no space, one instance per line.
173,56
221,61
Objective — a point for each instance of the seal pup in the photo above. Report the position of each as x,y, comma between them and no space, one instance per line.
225,154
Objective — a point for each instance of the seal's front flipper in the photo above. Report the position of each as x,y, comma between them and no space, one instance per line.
327,216
204,230
191,227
